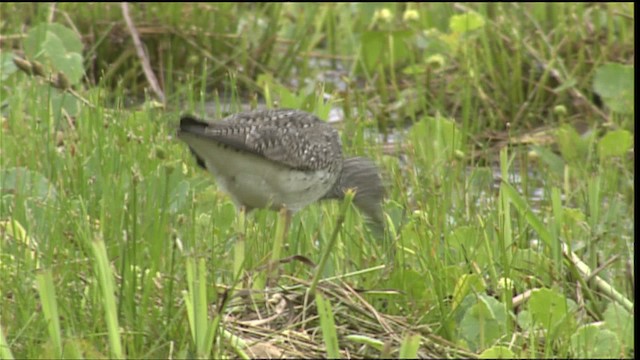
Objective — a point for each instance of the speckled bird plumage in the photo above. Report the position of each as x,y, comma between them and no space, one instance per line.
281,158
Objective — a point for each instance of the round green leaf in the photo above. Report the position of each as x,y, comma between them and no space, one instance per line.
594,342
615,84
497,352
615,143
466,22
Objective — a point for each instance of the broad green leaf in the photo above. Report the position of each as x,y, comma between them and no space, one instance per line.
52,44
615,143
371,48
483,323
7,67
70,64
572,147
595,342
37,36
411,282
467,284
466,22
401,48
615,84
621,322
60,46
552,311
27,182
59,101
375,48
497,352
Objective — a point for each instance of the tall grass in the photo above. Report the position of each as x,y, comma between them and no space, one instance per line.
113,243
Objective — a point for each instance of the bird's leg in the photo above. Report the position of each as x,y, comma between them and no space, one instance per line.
287,222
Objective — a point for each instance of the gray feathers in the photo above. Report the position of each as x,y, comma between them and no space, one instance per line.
361,175
290,137
304,154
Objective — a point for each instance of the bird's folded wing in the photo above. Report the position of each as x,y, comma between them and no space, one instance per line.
270,142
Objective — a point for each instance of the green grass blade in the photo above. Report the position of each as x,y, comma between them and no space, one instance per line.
46,290
5,352
346,203
105,279
202,329
558,224
409,347
523,208
327,323
361,339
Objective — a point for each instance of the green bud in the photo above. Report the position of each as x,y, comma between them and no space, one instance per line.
560,110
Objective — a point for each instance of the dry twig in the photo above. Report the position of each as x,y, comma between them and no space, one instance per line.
144,59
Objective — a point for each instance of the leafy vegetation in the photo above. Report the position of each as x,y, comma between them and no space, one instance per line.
505,133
